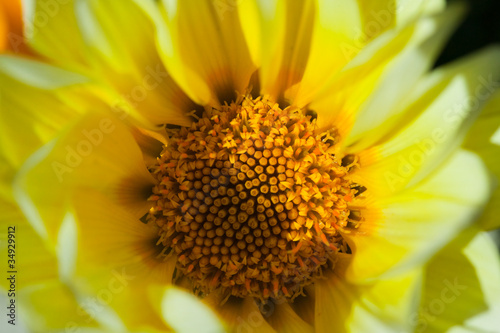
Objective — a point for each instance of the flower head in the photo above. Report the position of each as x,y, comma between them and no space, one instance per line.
294,165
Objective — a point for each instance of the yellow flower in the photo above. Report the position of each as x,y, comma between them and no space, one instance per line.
296,165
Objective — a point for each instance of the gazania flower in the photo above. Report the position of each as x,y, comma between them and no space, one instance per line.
294,165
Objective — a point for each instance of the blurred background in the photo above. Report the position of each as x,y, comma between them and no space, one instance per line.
480,28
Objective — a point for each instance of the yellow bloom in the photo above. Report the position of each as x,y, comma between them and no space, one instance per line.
294,164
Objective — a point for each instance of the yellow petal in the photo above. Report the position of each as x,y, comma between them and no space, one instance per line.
461,291
407,10
97,152
239,314
185,313
50,27
334,302
414,61
132,65
117,259
442,108
483,139
62,312
280,37
7,173
338,29
381,307
284,319
37,278
365,87
341,31
414,224
206,37
122,241
23,127
36,262
249,15
133,305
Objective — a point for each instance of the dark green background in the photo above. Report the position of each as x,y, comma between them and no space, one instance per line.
480,28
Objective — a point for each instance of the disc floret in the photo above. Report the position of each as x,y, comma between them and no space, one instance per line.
250,200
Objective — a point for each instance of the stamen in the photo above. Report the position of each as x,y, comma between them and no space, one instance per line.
251,202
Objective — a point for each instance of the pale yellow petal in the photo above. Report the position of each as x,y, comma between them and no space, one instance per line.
350,96
342,29
407,10
403,231
483,140
122,240
52,306
461,290
381,307
36,262
407,68
207,38
37,278
185,313
442,108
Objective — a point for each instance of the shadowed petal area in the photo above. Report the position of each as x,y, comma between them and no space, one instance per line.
239,315
380,307
285,319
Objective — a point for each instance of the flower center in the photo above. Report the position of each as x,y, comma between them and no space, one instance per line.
251,201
